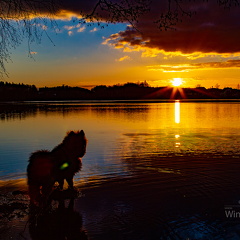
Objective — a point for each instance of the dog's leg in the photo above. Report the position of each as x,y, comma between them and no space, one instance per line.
34,193
60,182
46,192
70,182
71,204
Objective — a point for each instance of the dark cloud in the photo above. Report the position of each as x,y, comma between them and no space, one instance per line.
210,29
111,11
51,8
78,7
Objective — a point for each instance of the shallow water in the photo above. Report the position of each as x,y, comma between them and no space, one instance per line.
153,170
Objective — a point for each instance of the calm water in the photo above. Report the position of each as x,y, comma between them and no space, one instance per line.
117,131
176,164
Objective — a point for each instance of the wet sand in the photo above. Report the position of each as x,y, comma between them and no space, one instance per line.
154,202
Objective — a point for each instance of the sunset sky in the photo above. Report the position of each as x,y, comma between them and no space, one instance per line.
201,50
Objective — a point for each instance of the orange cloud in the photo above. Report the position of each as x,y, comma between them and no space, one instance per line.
81,29
194,66
226,64
70,33
123,59
94,30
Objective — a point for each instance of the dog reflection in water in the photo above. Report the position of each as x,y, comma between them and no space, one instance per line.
45,167
57,224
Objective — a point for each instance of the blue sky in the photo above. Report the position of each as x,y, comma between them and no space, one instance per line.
72,55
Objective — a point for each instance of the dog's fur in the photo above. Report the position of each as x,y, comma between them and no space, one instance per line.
47,167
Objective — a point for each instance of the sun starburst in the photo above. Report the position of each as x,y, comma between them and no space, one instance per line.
176,82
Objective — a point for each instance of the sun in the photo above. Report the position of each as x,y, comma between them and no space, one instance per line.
176,82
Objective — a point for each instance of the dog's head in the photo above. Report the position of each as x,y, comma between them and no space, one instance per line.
76,142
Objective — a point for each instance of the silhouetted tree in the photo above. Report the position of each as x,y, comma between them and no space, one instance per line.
144,84
14,92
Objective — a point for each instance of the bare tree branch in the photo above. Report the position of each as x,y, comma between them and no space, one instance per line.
17,21
117,11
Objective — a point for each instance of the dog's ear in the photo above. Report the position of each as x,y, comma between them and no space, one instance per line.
82,133
71,133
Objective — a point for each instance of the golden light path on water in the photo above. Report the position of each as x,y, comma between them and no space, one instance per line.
177,120
177,111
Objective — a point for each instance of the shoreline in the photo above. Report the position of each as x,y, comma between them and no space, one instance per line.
102,101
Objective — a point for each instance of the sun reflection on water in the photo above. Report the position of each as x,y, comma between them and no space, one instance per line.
177,120
177,111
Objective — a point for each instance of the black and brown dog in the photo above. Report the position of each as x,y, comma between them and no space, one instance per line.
45,167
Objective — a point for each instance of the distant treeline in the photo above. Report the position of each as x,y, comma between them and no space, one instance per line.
128,91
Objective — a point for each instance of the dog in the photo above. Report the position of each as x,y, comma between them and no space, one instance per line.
45,167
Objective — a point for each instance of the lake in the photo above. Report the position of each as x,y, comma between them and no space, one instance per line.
159,169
